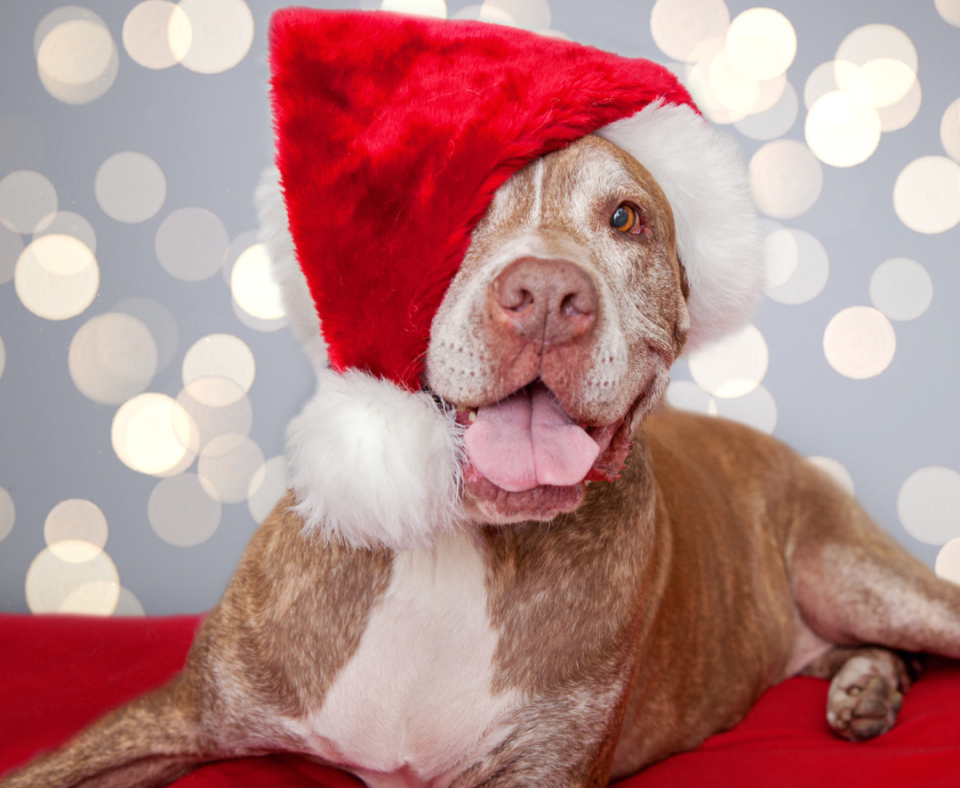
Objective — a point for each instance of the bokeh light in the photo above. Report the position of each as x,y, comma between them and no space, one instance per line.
485,13
26,198
859,342
948,561
774,122
797,266
112,357
901,289
236,416
221,34
733,366
159,320
950,130
267,487
929,504
181,513
130,187
157,34
8,514
76,58
528,14
11,245
67,223
949,10
219,356
885,65
684,395
689,30
926,195
761,43
253,286
841,132
785,178
191,244
756,409
434,8
76,530
836,470
89,587
57,277
901,114
128,604
153,434
227,465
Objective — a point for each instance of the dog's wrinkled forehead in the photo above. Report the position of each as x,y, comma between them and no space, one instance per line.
568,188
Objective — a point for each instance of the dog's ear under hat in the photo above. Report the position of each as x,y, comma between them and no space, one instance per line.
393,134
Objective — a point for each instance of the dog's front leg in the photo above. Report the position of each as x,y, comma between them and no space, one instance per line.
149,742
564,739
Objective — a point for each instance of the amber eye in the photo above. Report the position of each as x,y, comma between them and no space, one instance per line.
626,220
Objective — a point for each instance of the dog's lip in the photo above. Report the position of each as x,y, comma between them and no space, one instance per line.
613,438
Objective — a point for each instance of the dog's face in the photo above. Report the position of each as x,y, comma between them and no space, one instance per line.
556,337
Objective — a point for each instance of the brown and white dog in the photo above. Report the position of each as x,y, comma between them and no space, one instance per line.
564,632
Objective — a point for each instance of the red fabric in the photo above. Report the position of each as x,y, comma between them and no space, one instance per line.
58,673
393,133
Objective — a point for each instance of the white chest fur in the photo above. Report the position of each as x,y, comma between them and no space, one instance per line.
414,705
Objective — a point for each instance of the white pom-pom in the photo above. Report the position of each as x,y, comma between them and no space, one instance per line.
373,464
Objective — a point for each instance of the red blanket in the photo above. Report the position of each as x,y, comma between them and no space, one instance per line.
58,673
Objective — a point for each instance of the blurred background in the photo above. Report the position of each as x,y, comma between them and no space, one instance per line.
147,372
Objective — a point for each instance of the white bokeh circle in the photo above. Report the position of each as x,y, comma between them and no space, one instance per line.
26,198
130,187
221,32
926,195
785,178
929,504
90,587
859,342
181,513
112,357
836,470
901,288
689,30
733,366
57,277
8,514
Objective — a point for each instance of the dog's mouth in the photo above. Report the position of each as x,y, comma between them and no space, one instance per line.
526,457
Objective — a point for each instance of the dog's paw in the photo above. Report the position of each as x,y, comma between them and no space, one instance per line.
864,697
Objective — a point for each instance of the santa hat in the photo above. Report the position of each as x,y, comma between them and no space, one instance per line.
393,133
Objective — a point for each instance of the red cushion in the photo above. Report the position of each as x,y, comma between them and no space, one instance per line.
58,673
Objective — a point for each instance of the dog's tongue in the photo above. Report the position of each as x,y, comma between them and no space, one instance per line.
527,440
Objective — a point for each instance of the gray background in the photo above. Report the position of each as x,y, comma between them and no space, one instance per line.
211,136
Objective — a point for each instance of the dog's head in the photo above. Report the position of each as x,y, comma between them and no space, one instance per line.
556,336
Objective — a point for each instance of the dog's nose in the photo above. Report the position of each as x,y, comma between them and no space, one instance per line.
552,300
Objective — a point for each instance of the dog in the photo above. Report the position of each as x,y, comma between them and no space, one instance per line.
616,594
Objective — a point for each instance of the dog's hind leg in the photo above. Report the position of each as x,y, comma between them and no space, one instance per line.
866,689
150,742
854,585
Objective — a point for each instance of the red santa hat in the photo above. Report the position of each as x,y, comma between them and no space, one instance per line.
393,133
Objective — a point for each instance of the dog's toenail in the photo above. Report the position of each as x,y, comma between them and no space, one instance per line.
896,701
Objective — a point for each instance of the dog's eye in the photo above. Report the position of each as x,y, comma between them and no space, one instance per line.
626,220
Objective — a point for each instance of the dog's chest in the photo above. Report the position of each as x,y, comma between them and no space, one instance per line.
415,705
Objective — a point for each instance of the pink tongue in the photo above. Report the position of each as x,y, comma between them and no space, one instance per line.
527,440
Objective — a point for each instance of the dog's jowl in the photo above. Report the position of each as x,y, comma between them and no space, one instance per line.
502,560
